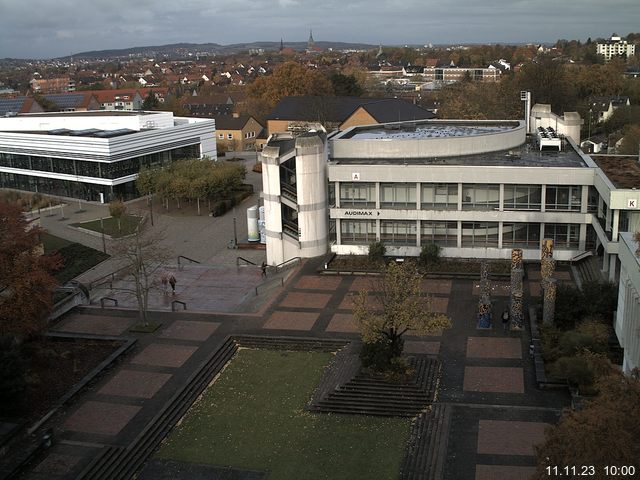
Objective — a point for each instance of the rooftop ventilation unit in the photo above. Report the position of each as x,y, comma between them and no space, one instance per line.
547,137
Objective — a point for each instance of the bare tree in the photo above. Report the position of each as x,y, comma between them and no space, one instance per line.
143,256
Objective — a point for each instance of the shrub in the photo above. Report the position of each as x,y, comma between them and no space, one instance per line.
576,370
380,355
430,255
377,251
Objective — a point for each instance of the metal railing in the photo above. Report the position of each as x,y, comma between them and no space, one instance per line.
178,302
110,299
289,263
239,259
185,258
108,278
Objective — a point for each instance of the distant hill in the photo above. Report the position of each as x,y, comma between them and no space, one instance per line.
180,50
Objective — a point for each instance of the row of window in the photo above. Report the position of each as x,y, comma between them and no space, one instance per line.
230,135
445,234
84,168
445,196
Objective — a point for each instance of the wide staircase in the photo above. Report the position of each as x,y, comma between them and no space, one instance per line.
373,394
589,269
426,452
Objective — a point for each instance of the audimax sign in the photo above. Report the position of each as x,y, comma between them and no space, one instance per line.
362,213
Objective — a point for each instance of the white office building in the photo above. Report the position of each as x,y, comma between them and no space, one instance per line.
476,188
615,47
95,155
627,323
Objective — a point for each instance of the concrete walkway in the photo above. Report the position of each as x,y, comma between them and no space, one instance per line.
498,414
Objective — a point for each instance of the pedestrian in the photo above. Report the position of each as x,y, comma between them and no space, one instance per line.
264,269
164,278
172,282
505,319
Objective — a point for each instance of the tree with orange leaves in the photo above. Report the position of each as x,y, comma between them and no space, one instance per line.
26,283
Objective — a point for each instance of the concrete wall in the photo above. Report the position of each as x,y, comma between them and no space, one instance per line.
428,147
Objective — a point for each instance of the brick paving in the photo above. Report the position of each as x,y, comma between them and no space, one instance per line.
291,320
503,472
133,383
496,437
162,355
190,330
490,347
342,322
101,418
484,375
494,379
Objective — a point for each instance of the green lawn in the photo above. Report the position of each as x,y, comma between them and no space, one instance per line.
128,224
253,417
76,258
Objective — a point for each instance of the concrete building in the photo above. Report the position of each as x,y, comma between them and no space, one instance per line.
627,322
615,47
457,74
476,188
95,155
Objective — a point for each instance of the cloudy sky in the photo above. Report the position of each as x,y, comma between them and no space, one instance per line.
51,28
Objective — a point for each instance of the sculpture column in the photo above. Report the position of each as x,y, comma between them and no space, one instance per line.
549,306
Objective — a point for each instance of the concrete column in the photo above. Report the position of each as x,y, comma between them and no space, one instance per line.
600,205
541,234
607,223
501,196
338,231
459,233
615,225
582,240
459,201
418,239
500,234
613,259
549,306
418,196
584,205
378,229
378,195
543,201
605,262
337,194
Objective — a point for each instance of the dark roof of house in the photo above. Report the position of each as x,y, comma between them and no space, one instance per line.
14,105
602,103
396,110
229,122
205,110
70,100
338,109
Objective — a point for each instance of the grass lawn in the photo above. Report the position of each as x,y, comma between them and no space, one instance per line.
253,417
76,258
128,225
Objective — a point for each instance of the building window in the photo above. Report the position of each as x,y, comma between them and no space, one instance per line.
521,235
357,195
439,196
480,196
522,197
229,136
221,136
398,232
567,198
566,236
479,234
357,232
592,200
444,234
331,191
398,195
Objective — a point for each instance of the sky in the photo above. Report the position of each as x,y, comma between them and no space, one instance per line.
55,28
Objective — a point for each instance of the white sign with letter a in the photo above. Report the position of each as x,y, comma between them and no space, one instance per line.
355,177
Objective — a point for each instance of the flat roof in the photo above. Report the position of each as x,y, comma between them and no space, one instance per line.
440,129
622,170
526,155
91,113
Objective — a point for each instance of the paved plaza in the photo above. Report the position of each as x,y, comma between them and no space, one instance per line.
488,380
498,414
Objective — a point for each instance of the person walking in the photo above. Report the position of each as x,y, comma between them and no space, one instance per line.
505,319
264,269
172,282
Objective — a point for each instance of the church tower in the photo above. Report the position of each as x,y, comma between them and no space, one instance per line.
310,43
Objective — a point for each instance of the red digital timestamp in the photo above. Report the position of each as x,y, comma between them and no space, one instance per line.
590,470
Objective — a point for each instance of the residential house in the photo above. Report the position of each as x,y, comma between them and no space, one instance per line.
124,99
602,108
236,132
13,106
52,85
615,47
74,102
302,113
